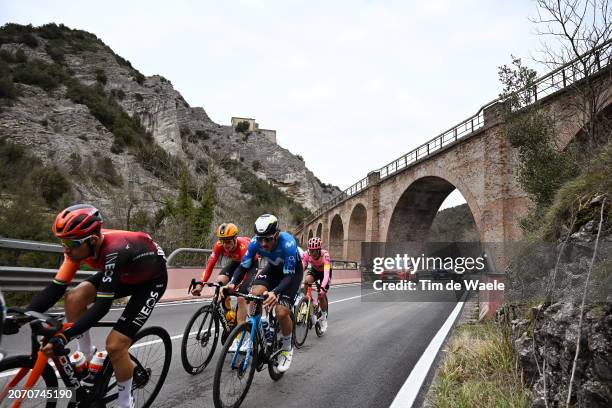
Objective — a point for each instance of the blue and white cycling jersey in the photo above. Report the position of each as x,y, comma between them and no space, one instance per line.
285,253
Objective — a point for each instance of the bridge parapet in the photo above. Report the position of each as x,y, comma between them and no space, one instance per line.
589,64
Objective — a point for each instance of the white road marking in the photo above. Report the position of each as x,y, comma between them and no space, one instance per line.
180,336
409,391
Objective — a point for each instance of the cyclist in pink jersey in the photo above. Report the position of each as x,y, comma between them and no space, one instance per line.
320,270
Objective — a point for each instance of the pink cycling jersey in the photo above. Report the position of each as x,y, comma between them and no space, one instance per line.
323,264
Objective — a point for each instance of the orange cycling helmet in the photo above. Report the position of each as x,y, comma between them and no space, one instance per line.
228,230
77,221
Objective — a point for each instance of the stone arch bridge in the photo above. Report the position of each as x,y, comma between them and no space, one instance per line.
399,201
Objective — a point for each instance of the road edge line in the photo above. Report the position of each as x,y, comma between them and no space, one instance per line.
406,396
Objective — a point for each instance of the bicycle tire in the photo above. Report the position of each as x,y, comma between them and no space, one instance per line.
276,345
318,327
301,321
221,363
204,329
48,375
103,385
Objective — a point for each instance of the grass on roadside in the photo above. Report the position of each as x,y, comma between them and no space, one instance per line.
479,371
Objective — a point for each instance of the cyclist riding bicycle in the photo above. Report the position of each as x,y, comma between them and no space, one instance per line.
279,280
233,247
320,270
128,264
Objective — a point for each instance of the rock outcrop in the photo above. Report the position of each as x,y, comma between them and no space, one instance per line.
65,133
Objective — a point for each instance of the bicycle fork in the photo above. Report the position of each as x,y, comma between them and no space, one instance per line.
255,323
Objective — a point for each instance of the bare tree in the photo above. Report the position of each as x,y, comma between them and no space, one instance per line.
580,31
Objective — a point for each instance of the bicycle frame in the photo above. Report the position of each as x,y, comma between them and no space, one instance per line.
255,321
256,330
62,365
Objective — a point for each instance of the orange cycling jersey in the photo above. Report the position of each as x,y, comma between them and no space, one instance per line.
218,250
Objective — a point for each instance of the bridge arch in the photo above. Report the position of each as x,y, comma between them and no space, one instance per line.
319,231
418,205
336,238
310,233
356,232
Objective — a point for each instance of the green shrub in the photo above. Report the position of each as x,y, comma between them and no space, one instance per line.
51,31
20,56
138,77
202,134
39,73
55,51
52,185
29,39
106,170
242,126
74,160
7,88
17,56
101,76
184,131
256,165
122,61
118,93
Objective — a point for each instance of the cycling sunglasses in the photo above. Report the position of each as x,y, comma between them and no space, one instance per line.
73,243
265,239
226,240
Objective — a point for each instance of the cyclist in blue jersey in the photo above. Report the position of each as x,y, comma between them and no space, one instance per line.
279,280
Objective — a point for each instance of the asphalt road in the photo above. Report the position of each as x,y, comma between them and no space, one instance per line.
362,361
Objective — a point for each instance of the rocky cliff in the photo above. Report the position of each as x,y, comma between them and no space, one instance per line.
64,94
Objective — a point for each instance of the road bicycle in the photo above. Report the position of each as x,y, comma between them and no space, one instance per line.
202,332
235,369
29,380
307,314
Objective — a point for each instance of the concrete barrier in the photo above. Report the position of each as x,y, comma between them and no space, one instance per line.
179,279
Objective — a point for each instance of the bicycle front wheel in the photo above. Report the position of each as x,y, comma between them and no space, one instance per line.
14,372
150,352
302,322
235,369
199,340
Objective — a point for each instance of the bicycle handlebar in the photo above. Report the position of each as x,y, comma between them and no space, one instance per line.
257,299
194,283
37,322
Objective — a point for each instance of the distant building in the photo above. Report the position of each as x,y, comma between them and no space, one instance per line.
254,127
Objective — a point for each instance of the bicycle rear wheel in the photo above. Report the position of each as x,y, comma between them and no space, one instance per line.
302,322
199,340
234,371
151,352
275,349
9,368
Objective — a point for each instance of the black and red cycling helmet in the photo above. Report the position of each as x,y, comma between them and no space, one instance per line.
77,221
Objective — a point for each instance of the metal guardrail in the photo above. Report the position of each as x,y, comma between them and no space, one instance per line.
18,278
587,64
340,264
177,251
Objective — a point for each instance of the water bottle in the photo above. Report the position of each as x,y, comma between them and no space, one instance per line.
95,368
79,361
230,317
267,330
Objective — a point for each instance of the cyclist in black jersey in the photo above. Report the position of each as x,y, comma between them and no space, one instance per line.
128,264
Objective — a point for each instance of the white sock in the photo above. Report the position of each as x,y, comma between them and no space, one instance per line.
125,392
287,343
323,316
84,344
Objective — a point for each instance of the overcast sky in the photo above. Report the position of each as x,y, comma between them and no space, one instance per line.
349,85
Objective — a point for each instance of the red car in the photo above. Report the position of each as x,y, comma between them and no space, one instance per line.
398,274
